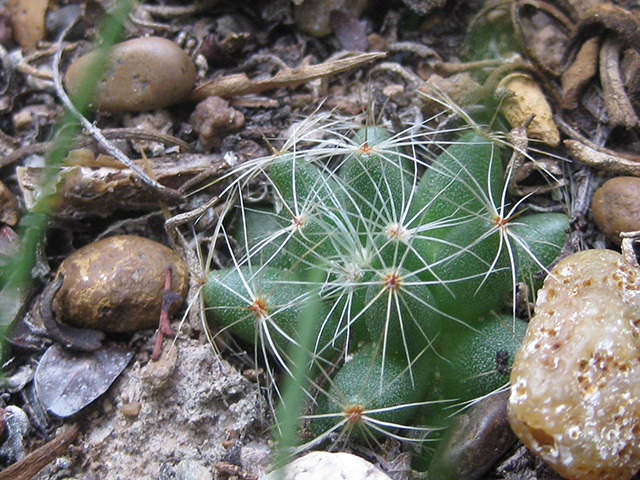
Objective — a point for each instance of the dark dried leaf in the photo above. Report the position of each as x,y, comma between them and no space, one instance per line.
215,53
619,107
66,382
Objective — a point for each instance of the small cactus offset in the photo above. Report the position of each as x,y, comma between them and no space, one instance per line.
409,255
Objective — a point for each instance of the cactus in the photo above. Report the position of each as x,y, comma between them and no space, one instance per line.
407,269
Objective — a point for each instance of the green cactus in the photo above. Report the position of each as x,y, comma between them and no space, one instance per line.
415,264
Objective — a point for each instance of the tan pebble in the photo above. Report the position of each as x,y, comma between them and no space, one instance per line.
131,410
28,21
615,207
213,117
157,374
140,74
575,381
116,284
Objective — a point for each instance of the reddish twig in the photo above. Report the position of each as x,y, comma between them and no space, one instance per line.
164,327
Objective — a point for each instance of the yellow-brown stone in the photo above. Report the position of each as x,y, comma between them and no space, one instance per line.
575,382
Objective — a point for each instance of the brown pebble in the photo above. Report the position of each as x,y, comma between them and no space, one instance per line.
116,284
213,117
130,410
313,16
615,207
140,74
575,381
474,441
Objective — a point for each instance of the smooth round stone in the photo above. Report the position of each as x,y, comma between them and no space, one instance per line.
140,74
116,284
575,381
616,207
327,465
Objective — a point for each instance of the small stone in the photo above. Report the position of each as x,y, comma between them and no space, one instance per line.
255,457
116,284
212,118
326,465
27,19
140,74
474,441
190,469
131,410
575,381
615,207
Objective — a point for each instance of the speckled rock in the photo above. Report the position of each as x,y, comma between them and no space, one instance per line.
190,469
575,382
615,207
140,74
116,284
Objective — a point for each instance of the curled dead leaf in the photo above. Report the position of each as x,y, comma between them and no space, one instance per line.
524,98
67,382
99,190
580,73
9,209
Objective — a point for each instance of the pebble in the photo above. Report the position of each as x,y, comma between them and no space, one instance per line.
190,469
575,381
140,74
475,440
17,425
327,465
116,284
212,118
615,207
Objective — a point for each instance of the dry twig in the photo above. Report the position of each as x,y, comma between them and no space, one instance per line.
30,465
240,84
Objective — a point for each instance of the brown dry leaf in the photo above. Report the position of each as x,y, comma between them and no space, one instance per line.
27,19
525,98
619,107
581,71
240,84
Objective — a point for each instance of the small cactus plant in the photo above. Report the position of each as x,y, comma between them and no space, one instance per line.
408,255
